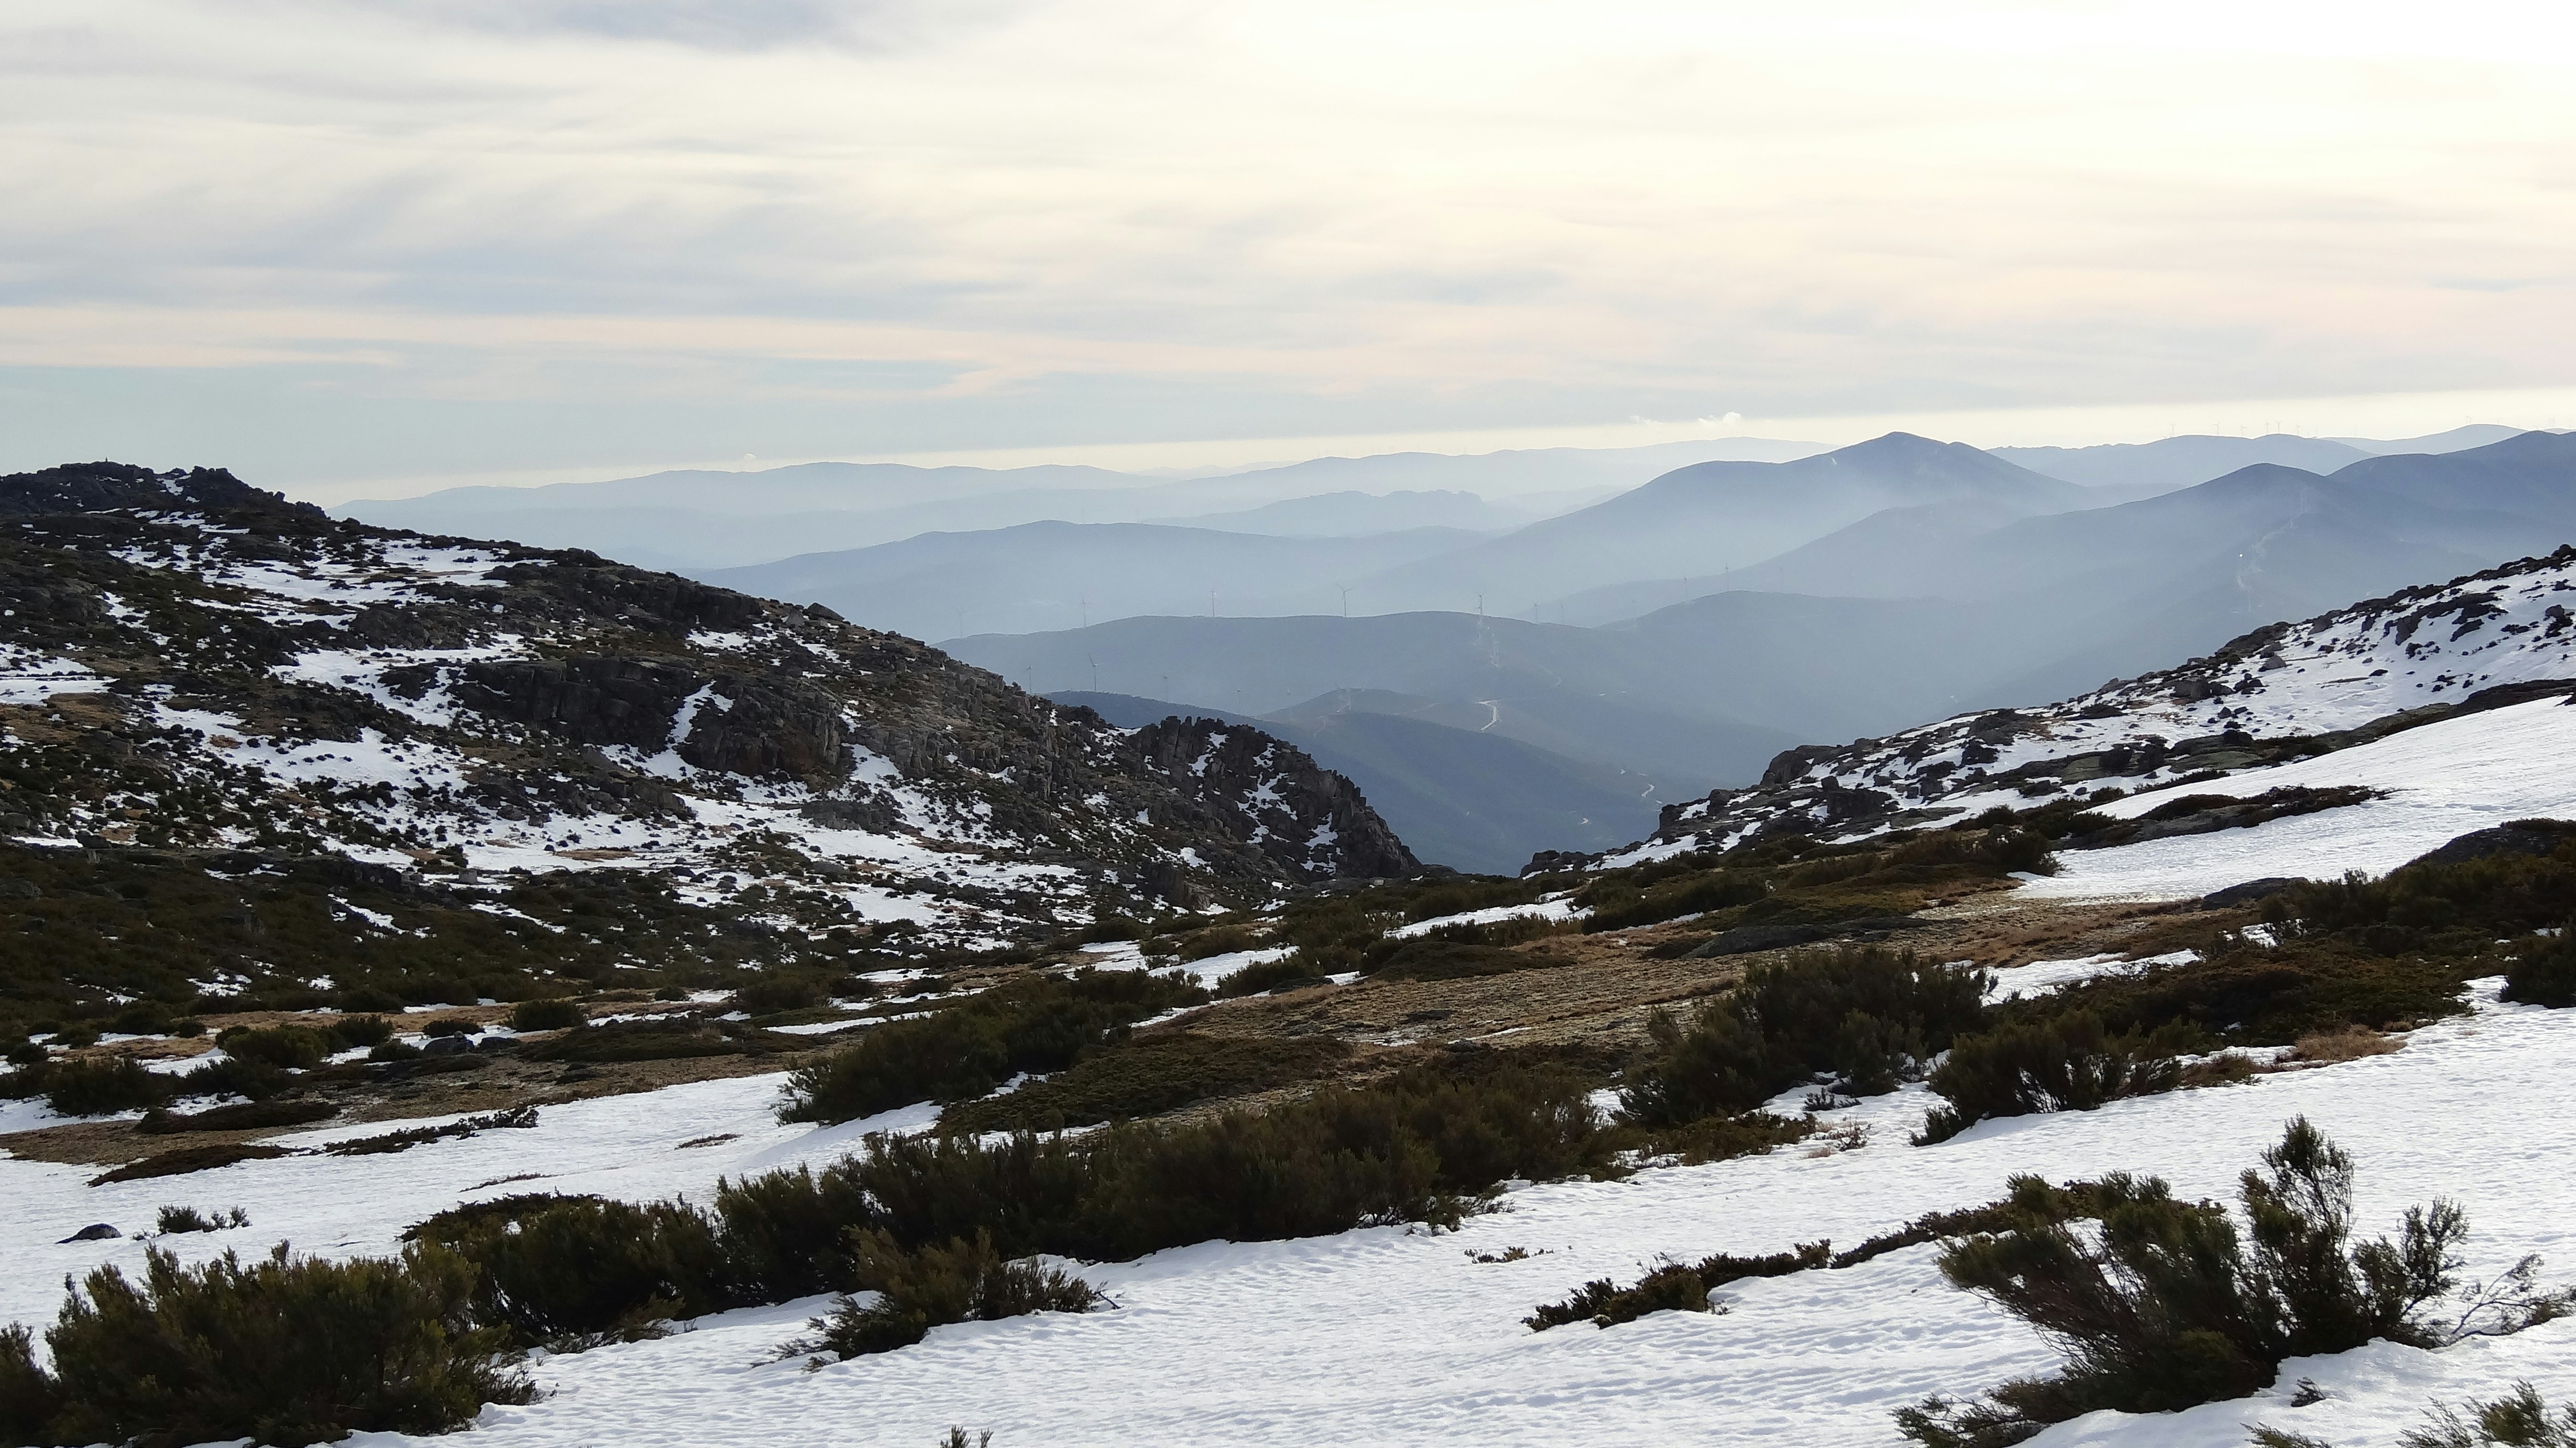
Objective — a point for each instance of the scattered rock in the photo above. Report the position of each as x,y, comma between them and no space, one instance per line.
2248,892
94,1232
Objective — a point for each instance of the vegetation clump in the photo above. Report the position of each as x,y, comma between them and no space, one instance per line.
552,1014
1149,1075
283,1349
2067,1062
1035,1024
2174,1303
1671,1287
2519,1419
964,1280
1868,1016
189,1219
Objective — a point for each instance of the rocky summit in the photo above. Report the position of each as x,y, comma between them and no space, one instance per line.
351,749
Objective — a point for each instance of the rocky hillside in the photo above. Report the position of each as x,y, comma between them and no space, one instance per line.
200,681
2281,692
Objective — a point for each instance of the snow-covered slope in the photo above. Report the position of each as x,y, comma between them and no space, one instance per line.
1394,1335
190,666
2284,692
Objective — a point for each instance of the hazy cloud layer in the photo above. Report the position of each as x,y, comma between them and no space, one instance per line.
880,227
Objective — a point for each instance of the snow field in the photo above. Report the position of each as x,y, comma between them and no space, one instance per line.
2445,780
1390,1335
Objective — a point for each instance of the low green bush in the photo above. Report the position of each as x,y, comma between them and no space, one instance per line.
1036,1024
288,1048
2064,1063
1219,940
649,1040
962,1281
1672,1287
348,1033
2544,974
2175,1303
774,993
100,1086
1263,975
554,1014
1865,1014
2519,1419
189,1219
1149,1075
283,1349
189,1159
566,1270
2245,994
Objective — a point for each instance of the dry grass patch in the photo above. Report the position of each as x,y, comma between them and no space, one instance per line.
2352,1043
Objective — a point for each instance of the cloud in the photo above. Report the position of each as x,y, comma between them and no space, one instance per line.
711,24
1172,218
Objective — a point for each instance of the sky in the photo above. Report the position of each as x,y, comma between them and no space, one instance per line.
354,247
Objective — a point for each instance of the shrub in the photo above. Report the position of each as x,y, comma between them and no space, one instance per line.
1149,1075
1219,940
246,1116
394,1051
98,1086
1866,1014
2066,1063
190,1159
234,1076
1619,905
286,1350
2546,974
351,1032
288,1048
963,1281
2245,995
452,1026
1033,1024
786,1233
141,1018
2176,1305
369,1000
774,993
556,1270
649,1040
547,1015
189,1219
2520,1419
1672,1287
1262,975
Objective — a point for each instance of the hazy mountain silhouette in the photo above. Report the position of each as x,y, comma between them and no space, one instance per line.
1039,575
1704,519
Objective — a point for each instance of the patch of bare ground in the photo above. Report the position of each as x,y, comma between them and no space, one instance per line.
502,1084
1596,991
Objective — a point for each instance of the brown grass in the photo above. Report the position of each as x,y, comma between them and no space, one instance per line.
2326,1048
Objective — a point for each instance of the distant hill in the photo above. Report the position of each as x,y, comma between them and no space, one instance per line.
2126,471
1560,689
1952,618
695,520
1038,576
1473,801
1353,514
1704,519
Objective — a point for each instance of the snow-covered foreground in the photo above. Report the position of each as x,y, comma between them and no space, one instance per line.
2444,780
1394,1336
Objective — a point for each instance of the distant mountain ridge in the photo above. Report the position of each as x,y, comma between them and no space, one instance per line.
2499,636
